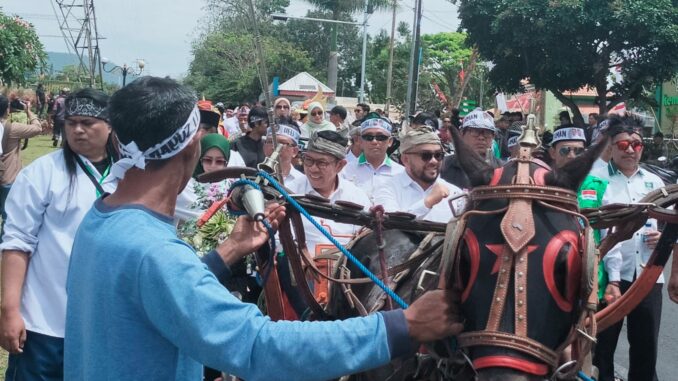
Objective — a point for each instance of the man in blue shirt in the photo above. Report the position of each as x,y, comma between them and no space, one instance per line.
143,306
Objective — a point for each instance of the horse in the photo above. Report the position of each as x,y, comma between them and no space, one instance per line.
411,257
517,256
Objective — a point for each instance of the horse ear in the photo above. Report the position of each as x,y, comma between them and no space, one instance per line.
477,170
572,174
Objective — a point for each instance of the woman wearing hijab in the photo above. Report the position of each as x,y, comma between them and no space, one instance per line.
316,121
215,151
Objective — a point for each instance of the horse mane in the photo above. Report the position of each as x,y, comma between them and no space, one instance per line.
569,176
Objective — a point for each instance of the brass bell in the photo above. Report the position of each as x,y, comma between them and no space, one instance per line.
529,137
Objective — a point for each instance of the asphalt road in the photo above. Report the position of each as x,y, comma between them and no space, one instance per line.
668,341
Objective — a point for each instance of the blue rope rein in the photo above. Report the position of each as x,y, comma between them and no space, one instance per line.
336,243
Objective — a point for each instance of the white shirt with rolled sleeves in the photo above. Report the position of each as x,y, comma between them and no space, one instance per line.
628,258
364,175
43,214
402,194
316,242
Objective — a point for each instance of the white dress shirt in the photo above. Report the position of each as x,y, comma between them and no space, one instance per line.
350,157
364,175
43,215
599,165
402,194
628,258
316,242
235,160
294,179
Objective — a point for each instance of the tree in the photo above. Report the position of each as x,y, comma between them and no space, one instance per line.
445,54
21,51
315,38
564,45
377,66
338,10
223,69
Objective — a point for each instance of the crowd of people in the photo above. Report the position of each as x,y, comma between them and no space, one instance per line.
96,283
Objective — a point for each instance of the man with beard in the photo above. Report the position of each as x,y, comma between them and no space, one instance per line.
419,190
477,131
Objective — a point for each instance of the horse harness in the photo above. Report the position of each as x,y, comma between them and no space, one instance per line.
518,229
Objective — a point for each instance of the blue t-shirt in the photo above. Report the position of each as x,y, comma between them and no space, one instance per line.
142,306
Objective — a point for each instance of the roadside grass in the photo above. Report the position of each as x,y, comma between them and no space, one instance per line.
37,146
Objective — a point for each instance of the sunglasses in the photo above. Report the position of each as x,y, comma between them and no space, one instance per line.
280,107
426,156
379,138
623,145
565,151
211,161
316,113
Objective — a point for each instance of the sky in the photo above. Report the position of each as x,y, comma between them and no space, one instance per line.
161,31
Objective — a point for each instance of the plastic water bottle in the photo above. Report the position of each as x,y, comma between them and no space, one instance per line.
646,230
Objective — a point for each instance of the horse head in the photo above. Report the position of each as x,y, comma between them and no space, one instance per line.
519,261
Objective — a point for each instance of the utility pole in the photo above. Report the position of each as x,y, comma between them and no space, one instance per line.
363,63
414,64
78,24
333,63
389,77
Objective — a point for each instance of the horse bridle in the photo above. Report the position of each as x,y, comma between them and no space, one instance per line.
518,229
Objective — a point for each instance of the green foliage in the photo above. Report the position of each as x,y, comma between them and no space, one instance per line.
21,51
444,56
315,38
377,66
564,45
224,69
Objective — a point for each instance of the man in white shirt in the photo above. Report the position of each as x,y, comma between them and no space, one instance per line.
373,163
625,262
323,160
355,149
419,190
288,136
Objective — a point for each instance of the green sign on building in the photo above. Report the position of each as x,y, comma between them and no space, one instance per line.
667,97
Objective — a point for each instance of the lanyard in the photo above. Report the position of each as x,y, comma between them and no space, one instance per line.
90,175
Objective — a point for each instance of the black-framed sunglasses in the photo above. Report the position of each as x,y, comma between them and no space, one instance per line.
379,138
316,113
426,156
565,151
280,107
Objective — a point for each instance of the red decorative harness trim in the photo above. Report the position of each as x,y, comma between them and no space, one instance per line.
511,362
498,172
474,258
550,257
